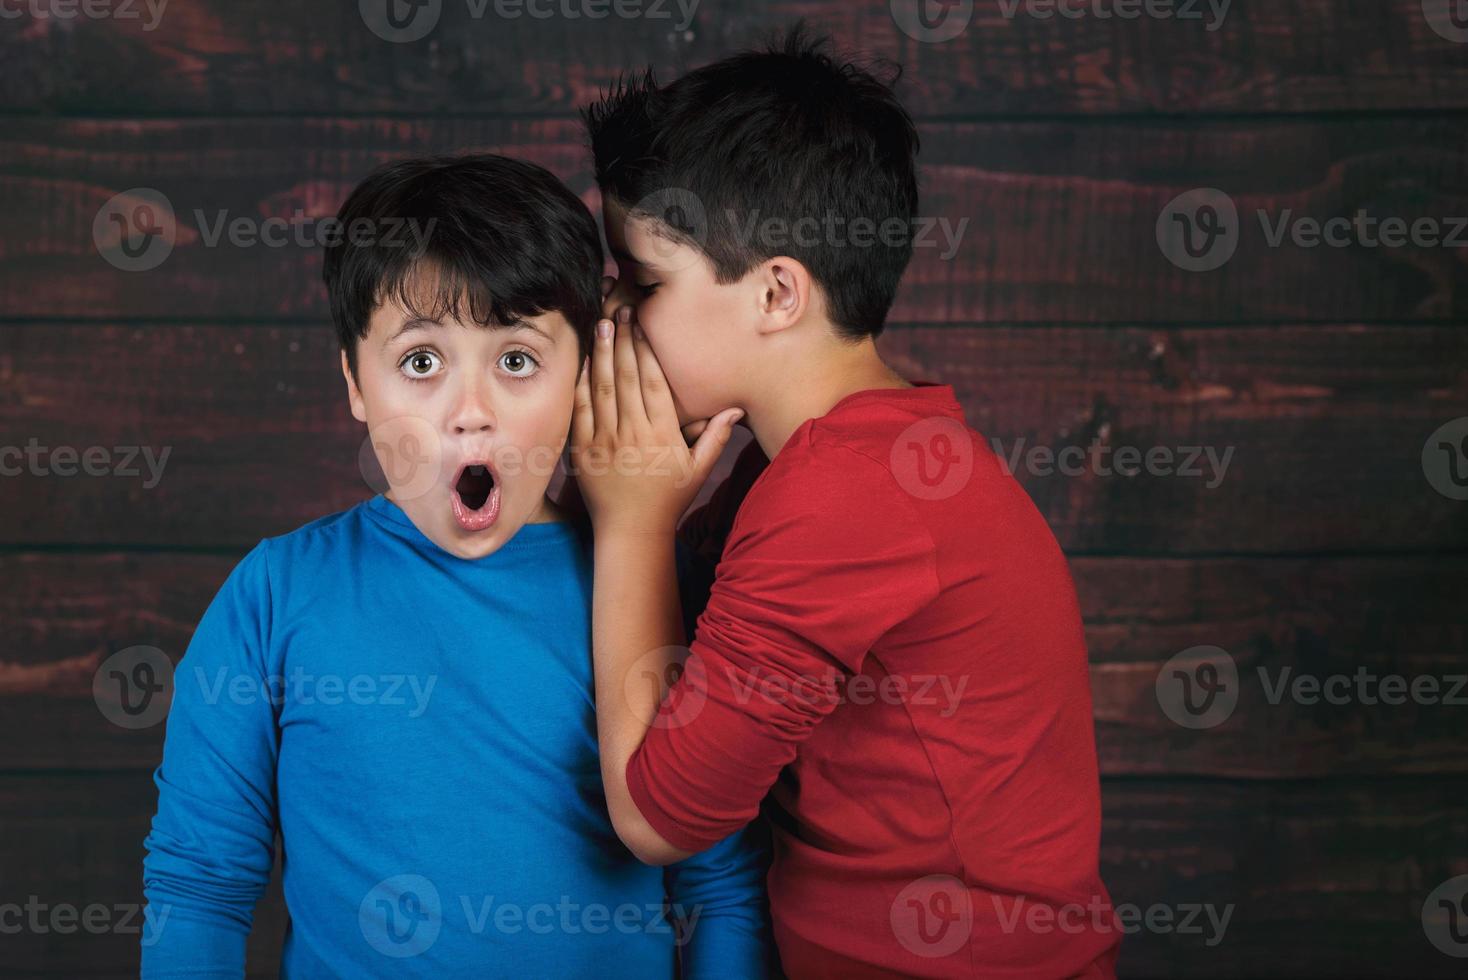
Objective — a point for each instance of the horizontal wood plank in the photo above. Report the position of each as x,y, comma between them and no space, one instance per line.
76,840
1058,149
1326,879
1316,433
1326,426
1287,618
552,56
1038,222
1317,879
1325,653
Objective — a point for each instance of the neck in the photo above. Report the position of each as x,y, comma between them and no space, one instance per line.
814,388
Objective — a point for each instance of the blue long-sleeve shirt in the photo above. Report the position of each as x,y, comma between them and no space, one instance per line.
420,730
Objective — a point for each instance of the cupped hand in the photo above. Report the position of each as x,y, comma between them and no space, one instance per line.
630,457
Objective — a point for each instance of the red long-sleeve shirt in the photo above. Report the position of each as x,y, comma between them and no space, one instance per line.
893,652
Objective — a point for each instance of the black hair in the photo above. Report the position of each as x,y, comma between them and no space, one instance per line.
502,240
788,132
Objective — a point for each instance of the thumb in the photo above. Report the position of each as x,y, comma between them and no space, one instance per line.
713,439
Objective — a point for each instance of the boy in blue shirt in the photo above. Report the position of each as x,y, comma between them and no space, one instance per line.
403,691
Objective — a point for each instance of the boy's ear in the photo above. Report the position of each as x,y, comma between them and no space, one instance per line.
354,394
786,295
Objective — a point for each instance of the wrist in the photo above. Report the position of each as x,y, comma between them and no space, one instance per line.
640,531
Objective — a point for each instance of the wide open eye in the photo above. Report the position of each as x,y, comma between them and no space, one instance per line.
420,364
518,363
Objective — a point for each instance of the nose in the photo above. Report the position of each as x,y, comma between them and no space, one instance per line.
473,408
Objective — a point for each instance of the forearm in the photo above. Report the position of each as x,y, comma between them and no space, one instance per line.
719,899
637,638
186,941
729,943
205,867
211,845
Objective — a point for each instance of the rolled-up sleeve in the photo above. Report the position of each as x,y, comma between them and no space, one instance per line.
824,558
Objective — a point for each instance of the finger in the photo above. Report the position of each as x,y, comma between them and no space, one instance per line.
583,419
711,443
603,380
631,413
657,397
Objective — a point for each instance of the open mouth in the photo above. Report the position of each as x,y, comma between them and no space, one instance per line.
474,486
476,497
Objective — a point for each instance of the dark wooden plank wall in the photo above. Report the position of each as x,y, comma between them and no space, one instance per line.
1323,550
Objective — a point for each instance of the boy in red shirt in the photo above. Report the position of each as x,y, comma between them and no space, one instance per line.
892,658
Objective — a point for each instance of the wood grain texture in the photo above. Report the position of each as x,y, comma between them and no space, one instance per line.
75,841
1055,143
1317,879
1327,425
67,613
237,57
1327,879
1042,222
1322,429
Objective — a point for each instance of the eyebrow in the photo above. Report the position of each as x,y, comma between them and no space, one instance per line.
419,323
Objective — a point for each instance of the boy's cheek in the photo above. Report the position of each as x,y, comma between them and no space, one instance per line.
684,415
537,452
669,361
696,407
691,371
682,357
